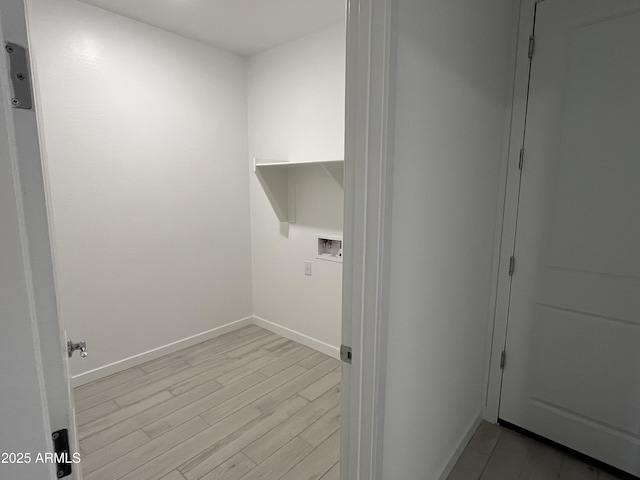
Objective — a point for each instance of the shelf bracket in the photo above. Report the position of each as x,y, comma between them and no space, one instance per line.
336,170
280,189
278,180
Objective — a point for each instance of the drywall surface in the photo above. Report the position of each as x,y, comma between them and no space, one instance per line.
145,146
451,100
296,112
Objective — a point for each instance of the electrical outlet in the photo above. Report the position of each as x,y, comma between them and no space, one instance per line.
307,268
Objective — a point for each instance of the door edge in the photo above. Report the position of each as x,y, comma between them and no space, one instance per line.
506,217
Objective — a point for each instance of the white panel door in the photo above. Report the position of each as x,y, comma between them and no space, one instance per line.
572,370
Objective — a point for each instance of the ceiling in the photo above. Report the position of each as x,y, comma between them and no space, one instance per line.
244,27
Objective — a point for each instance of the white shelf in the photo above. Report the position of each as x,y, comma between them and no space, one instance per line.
284,163
276,180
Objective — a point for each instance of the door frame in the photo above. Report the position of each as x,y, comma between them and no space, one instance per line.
506,223
367,233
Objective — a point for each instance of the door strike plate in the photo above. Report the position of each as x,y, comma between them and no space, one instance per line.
61,450
345,354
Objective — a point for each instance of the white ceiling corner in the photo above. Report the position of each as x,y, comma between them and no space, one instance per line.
243,27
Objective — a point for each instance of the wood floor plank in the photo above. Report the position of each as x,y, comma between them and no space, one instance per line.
213,439
125,387
166,382
266,445
147,452
159,363
122,414
320,386
174,475
314,359
293,386
113,433
93,388
281,461
336,363
255,365
275,345
214,373
197,407
243,350
250,344
113,451
319,431
202,444
318,462
333,473
233,422
234,468
286,361
202,466
220,346
249,396
248,329
284,348
96,412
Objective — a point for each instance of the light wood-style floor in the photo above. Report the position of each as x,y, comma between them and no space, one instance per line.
244,406
495,453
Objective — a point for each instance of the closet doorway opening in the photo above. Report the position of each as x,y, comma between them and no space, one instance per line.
194,171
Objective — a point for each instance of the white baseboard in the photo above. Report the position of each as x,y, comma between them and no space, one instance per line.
298,337
461,446
144,357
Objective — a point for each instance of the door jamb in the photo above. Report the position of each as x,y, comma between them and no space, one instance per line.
369,113
504,241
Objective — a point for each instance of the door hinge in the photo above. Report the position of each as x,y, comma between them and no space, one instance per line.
532,44
503,359
62,457
512,265
20,78
521,162
345,354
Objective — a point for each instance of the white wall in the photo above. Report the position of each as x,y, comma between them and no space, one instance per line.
296,112
451,100
145,146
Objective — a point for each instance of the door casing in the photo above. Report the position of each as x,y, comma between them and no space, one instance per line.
367,189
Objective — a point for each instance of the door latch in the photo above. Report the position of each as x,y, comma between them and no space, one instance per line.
72,347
